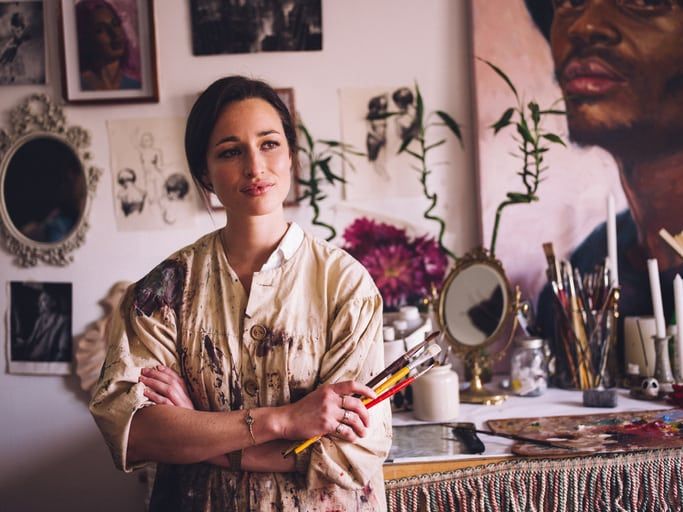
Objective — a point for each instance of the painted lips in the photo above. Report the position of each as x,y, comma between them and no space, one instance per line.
257,189
590,77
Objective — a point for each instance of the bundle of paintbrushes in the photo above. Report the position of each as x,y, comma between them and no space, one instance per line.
585,321
394,378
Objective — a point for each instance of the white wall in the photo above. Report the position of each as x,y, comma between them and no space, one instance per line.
51,454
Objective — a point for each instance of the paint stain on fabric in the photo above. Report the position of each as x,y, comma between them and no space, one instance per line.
214,356
271,340
366,494
162,287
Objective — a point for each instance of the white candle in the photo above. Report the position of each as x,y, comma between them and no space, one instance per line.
656,291
612,241
678,308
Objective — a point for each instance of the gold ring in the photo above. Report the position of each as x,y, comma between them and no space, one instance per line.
343,397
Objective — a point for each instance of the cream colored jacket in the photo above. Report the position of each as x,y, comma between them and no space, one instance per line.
317,318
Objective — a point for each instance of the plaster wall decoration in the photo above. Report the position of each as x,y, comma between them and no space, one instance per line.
47,183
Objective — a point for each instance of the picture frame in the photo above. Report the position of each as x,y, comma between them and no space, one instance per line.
134,78
22,43
287,96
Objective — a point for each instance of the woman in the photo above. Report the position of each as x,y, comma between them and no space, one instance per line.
103,48
271,331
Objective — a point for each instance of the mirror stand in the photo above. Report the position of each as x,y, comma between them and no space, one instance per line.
477,393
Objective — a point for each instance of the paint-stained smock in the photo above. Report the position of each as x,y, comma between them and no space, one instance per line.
315,319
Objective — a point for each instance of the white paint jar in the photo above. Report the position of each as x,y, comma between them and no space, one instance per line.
436,395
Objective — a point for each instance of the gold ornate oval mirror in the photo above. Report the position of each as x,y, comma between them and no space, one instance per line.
46,183
475,307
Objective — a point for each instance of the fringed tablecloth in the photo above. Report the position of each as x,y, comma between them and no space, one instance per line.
640,481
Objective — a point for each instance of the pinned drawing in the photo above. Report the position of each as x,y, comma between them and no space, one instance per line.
379,120
152,186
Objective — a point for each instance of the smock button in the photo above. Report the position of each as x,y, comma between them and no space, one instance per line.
251,387
258,332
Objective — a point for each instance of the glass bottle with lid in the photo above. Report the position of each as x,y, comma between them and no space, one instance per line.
528,367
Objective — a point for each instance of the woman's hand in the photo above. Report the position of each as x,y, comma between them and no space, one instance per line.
330,409
164,386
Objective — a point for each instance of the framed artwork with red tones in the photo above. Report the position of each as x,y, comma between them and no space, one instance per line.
108,51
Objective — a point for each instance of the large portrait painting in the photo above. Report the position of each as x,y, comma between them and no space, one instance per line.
22,43
618,66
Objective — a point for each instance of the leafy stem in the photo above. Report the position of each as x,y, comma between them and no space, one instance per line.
421,156
319,154
532,144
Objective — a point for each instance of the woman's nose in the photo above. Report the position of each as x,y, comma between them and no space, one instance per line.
253,164
594,26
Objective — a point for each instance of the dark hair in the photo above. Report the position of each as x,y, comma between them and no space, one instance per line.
210,104
541,12
125,175
403,97
87,56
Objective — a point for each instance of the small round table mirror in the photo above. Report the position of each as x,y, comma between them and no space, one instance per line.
46,183
475,307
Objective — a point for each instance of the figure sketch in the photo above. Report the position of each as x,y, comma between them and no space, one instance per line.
131,197
152,188
406,121
22,59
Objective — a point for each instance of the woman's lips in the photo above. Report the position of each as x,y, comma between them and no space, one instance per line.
257,189
590,77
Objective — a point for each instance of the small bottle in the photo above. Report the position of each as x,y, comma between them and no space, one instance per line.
401,328
411,315
388,333
528,367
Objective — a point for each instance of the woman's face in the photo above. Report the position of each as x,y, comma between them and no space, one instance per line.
248,159
107,35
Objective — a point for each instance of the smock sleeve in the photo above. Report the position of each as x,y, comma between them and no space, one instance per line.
141,333
355,353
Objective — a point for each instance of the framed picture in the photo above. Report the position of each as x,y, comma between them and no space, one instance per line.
22,43
40,337
108,51
287,96
219,26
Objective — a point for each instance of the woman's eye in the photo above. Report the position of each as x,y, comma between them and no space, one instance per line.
229,153
270,144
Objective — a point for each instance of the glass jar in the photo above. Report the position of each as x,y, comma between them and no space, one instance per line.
528,367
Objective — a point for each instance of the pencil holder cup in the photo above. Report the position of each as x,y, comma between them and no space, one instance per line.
584,342
436,395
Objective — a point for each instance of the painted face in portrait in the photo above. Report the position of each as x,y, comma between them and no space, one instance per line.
620,66
248,159
107,34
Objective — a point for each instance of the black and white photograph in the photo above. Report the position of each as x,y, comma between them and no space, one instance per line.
151,184
22,43
236,26
40,335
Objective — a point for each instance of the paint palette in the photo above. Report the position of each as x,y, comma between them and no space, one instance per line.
596,433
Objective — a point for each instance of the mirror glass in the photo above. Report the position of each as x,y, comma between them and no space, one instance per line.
47,183
475,304
45,189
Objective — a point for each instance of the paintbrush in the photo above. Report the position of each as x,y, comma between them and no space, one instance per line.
430,353
402,360
398,387
541,442
553,264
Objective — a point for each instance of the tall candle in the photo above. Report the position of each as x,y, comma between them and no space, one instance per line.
678,308
656,291
612,241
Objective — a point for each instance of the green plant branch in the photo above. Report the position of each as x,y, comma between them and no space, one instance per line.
318,165
527,119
